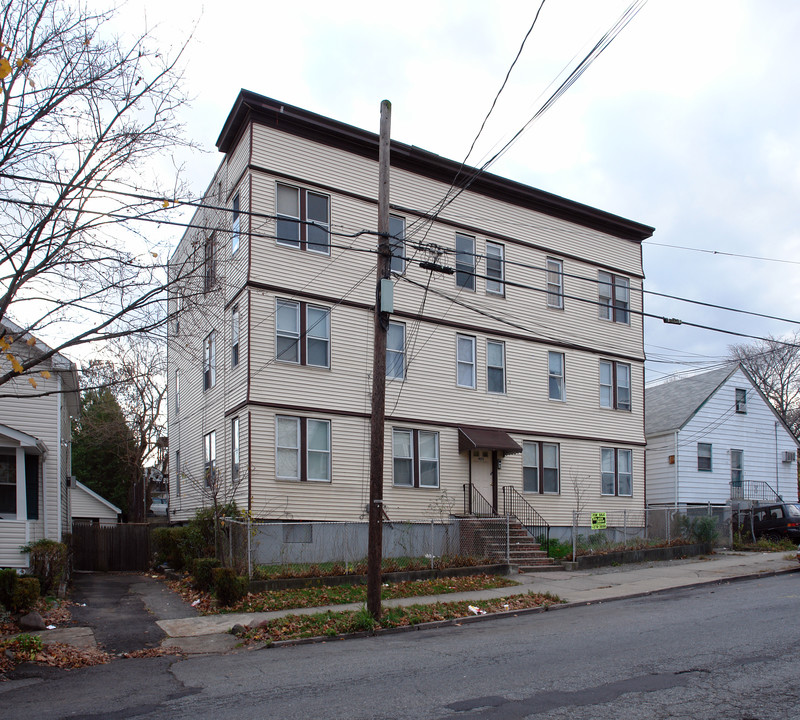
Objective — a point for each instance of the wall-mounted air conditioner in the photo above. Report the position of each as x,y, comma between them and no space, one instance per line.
788,456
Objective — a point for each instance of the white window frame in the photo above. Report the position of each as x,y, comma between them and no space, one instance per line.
306,225
554,277
302,449
210,361
467,363
705,451
396,357
235,224
235,336
418,464
397,244
209,263
556,379
13,483
306,333
498,369
235,448
613,476
210,474
614,297
737,469
741,401
614,396
495,268
465,262
295,449
177,390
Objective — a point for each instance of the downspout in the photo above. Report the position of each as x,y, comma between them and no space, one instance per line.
59,469
777,466
677,463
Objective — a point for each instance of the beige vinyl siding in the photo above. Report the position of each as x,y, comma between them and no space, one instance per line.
523,311
236,162
306,159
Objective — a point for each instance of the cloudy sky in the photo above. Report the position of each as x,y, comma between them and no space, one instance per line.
688,122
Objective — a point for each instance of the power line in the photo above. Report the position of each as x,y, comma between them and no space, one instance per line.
723,252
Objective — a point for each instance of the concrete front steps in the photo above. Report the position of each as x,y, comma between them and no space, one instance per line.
523,551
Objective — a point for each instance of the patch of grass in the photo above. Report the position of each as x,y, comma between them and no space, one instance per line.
343,594
329,624
745,543
339,567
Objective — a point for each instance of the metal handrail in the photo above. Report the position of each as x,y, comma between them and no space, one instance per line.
475,504
754,490
515,504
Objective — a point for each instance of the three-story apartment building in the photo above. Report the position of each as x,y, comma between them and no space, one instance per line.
522,369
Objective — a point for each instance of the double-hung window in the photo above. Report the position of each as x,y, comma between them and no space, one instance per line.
209,263
614,297
302,449
210,361
235,222
303,333
555,369
465,261
616,471
704,457
741,401
178,472
397,243
8,484
540,467
615,385
235,448
210,459
465,361
555,283
303,219
177,390
415,458
396,351
495,269
495,366
235,336
737,468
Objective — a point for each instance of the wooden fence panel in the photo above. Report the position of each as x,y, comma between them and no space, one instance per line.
124,546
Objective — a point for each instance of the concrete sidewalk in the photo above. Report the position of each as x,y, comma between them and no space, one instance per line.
209,633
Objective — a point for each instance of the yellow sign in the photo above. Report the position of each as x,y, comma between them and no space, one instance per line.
598,521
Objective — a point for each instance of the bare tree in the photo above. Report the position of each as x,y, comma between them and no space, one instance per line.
81,112
133,368
775,367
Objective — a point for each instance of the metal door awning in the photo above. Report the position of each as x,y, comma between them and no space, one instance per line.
486,439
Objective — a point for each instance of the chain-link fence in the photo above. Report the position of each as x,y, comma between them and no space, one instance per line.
272,549
602,531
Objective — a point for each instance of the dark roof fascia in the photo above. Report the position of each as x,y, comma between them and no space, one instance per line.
250,106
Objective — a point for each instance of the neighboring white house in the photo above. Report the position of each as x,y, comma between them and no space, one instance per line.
87,505
713,438
522,370
35,450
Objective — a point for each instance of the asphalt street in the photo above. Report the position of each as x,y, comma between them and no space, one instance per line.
716,651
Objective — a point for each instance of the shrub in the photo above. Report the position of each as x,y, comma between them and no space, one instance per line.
228,586
25,594
704,529
202,572
166,542
8,584
48,560
27,646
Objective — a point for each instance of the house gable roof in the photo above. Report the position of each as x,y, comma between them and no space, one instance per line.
22,439
669,406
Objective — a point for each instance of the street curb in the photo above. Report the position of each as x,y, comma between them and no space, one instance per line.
510,613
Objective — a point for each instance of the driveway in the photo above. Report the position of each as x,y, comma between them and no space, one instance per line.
122,609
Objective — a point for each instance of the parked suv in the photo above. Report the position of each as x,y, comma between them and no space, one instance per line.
780,520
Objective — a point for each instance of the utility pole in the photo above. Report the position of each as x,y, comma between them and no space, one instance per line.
378,416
